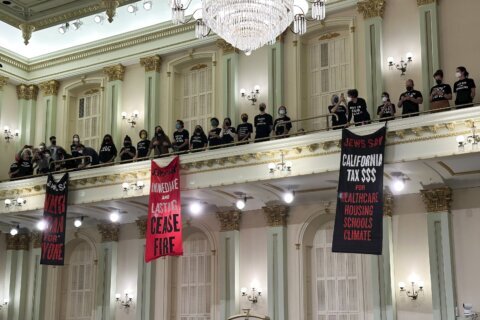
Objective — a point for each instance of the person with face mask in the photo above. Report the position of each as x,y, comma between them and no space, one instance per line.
214,139
357,108
41,161
143,146
410,100
263,123
91,156
386,111
199,140
75,143
25,165
338,107
160,143
54,148
180,138
228,133
283,124
244,130
441,93
108,151
464,89
128,152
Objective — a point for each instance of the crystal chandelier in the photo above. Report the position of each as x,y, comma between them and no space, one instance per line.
248,24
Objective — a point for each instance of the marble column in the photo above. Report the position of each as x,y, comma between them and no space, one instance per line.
145,279
231,90
114,89
276,216
27,101
48,113
229,258
151,111
440,244
107,272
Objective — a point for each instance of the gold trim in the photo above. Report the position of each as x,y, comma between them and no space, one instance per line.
329,36
27,92
276,215
371,8
142,226
110,8
229,220
3,82
198,67
388,202
424,2
109,232
18,242
50,88
226,47
438,199
116,72
36,239
152,63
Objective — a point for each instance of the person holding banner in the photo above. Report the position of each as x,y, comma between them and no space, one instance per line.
357,108
180,137
160,143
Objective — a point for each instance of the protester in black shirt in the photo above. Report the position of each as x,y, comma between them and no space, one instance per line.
143,146
244,130
13,171
128,151
441,93
357,108
387,110
160,143
74,145
410,100
283,124
228,133
108,151
464,89
91,156
54,148
338,108
214,139
199,140
263,123
180,137
25,166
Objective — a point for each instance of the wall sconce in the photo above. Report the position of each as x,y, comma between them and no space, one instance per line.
15,202
125,303
282,166
402,65
253,96
131,119
9,135
139,185
253,297
472,139
4,305
413,294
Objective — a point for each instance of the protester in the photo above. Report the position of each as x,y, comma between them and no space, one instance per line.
128,152
24,166
180,137
386,111
464,89
91,157
282,124
263,123
357,108
228,133
143,146
54,148
440,93
108,151
199,140
410,100
74,145
339,109
160,143
41,161
244,130
214,139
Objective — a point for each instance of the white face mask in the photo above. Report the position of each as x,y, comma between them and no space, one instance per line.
384,99
349,99
458,74
281,112
75,139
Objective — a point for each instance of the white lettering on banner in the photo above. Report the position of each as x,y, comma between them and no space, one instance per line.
161,207
165,187
371,160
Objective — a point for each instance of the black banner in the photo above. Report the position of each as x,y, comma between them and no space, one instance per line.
359,217
55,216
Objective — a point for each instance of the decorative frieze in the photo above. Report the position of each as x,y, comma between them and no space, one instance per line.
142,226
388,202
371,8
27,30
229,220
18,242
109,232
152,63
27,92
276,215
438,199
50,88
226,47
116,72
424,2
3,81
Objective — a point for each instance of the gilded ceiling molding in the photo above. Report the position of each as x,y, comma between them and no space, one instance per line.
3,81
226,47
109,232
152,63
50,88
36,239
18,242
329,36
229,220
276,215
424,2
142,226
27,92
116,72
110,8
27,30
388,202
438,199
371,8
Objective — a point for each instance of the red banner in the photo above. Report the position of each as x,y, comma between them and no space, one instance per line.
164,224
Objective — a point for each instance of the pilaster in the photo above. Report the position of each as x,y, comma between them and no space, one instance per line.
27,100
152,67
114,89
145,278
276,75
3,83
230,58
276,216
437,202
48,109
38,279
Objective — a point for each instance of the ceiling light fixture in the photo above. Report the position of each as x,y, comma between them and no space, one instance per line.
241,203
282,166
15,202
139,185
76,24
64,28
99,18
399,179
147,5
41,225
78,222
132,8
289,196
195,208
472,139
114,217
14,230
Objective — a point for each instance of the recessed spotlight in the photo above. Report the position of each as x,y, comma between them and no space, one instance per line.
196,208
398,185
240,204
98,18
78,222
114,217
288,197
132,8
147,5
41,225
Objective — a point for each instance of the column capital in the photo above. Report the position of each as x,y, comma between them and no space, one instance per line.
425,2
27,92
388,202
226,47
371,8
142,226
50,88
229,220
152,63
437,199
116,72
276,215
18,242
109,232
36,239
3,81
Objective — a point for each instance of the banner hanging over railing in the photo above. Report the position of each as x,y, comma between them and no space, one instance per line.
164,224
359,216
55,216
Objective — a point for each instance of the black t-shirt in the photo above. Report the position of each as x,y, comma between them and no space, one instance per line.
13,168
388,111
439,91
125,156
463,89
341,113
142,148
244,129
90,152
358,110
282,125
25,168
73,150
228,135
198,141
410,106
214,141
107,152
179,138
263,123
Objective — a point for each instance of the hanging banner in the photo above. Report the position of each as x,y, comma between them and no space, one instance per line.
164,224
359,217
55,216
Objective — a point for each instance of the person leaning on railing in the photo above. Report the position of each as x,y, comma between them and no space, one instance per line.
181,138
283,124
228,135
128,152
89,154
41,161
